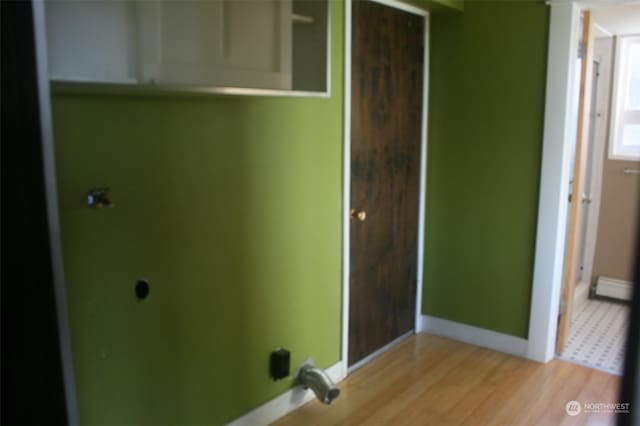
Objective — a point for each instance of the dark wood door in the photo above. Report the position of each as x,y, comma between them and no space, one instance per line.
386,117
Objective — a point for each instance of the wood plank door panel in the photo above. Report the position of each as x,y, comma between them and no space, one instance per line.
386,117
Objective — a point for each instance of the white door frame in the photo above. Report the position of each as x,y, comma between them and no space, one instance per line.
346,170
53,217
554,177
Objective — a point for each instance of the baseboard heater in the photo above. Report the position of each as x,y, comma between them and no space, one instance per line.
616,289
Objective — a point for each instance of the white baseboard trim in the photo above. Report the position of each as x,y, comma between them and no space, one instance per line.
475,335
616,289
379,352
283,404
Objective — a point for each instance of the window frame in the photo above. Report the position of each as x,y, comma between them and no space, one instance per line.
620,116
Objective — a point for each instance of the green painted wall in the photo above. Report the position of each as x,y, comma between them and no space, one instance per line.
487,85
230,206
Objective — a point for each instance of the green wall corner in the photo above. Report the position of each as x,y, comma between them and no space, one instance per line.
231,208
487,85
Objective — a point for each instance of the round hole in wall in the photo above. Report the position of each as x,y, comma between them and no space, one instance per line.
142,289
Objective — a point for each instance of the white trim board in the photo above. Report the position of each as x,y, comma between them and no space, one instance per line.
616,289
346,167
422,200
406,7
286,402
346,181
380,351
554,179
53,218
475,335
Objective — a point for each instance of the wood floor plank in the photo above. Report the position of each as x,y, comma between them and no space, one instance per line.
430,380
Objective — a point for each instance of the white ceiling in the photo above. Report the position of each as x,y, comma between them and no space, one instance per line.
617,20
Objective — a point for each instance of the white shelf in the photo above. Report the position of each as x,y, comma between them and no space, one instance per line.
296,18
91,80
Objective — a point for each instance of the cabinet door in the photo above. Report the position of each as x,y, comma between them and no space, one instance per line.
222,43
92,41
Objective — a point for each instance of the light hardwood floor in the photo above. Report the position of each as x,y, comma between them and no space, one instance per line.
429,380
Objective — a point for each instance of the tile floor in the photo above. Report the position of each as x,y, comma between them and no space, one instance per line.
597,335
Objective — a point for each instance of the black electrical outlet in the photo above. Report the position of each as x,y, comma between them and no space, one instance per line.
279,364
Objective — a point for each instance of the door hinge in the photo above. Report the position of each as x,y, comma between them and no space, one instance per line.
582,49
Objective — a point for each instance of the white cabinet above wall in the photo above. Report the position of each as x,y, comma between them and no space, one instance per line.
216,43
245,44
92,41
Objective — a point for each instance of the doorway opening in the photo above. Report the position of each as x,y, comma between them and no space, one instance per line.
603,223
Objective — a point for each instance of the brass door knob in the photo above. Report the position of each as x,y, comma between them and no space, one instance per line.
359,215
